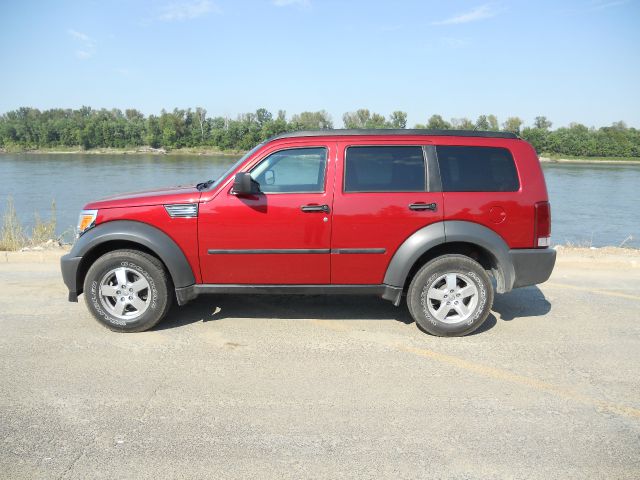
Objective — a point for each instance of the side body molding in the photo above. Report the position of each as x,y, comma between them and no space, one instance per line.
154,239
447,232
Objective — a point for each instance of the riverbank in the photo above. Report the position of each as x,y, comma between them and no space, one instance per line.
213,151
142,150
548,158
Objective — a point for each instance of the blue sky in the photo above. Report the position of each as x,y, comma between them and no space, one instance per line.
576,60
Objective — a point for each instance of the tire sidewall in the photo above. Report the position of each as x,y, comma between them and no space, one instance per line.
434,270
157,290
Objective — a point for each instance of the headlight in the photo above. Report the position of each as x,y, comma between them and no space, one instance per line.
85,221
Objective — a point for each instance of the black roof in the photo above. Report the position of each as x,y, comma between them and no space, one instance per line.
391,131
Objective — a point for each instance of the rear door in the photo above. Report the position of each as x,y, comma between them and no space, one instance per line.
280,236
383,195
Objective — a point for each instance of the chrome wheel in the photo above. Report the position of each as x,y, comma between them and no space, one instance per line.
124,293
451,298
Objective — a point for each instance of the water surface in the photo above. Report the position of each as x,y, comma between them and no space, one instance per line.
591,204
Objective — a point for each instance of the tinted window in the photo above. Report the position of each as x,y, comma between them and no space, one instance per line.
299,170
384,169
477,169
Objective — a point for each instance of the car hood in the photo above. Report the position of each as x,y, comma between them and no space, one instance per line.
179,194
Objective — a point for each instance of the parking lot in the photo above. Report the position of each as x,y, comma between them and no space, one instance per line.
324,387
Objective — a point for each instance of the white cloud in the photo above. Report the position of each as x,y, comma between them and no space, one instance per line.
87,46
453,42
291,3
79,35
83,54
186,10
479,13
603,4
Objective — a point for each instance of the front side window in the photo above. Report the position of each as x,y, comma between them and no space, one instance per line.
297,170
477,169
385,169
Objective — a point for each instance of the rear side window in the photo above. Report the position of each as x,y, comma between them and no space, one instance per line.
385,169
477,169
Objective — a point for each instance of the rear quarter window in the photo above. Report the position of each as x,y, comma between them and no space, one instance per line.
477,169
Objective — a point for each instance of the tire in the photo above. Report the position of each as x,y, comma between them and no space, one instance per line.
145,300
431,288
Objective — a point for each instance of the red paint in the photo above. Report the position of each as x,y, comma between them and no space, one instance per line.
356,220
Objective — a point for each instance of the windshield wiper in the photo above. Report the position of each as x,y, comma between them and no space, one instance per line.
203,185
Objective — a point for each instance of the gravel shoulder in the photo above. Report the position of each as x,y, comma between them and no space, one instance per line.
324,387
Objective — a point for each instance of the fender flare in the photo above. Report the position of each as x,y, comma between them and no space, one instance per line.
450,231
144,234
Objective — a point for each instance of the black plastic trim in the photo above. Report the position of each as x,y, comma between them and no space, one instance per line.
295,251
387,292
392,131
434,182
136,232
446,232
69,266
342,251
264,251
532,266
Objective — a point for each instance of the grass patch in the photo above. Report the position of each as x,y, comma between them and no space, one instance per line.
13,235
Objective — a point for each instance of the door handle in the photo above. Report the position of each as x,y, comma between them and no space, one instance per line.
423,206
315,208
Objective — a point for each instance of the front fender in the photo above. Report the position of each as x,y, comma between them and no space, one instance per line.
141,233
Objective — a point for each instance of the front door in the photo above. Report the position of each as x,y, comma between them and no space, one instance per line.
280,236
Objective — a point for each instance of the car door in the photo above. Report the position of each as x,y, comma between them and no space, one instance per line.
384,196
279,236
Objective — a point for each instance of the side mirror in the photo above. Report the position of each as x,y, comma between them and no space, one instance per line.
243,184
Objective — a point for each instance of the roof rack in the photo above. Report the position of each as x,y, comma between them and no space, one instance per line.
390,131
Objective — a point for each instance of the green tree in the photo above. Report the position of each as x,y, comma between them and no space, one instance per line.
482,123
542,123
462,123
398,119
493,123
319,120
436,122
363,118
512,124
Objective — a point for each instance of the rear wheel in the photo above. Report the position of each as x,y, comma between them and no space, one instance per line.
450,296
128,290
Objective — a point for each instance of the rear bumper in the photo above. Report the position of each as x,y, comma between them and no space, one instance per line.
69,266
532,266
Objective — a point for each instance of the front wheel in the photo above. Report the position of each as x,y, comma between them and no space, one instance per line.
450,296
128,290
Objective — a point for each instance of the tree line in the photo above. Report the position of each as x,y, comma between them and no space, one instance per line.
29,128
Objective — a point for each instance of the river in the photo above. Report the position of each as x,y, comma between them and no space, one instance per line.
592,205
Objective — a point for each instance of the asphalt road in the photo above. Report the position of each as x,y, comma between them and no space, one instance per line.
324,387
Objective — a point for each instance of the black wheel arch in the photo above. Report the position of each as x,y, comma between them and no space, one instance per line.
129,234
452,236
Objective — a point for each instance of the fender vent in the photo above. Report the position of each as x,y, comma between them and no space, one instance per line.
182,210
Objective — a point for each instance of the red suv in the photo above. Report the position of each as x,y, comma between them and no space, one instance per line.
429,215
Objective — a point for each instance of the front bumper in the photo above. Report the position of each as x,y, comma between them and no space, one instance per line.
69,266
532,266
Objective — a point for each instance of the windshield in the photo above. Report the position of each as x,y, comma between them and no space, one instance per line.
226,174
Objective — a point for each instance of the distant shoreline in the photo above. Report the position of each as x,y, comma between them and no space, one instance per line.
145,150
599,161
209,151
